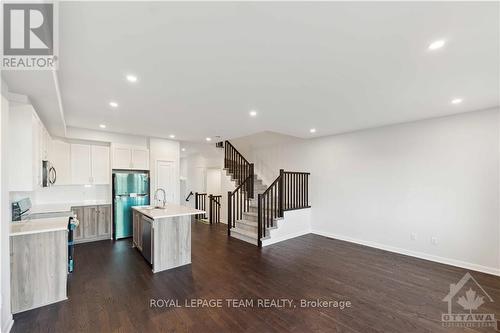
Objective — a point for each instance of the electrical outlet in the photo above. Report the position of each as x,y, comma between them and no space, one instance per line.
434,240
413,236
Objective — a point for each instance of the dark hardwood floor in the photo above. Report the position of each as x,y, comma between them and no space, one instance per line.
112,286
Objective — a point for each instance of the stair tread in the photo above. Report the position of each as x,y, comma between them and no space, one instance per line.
244,232
247,222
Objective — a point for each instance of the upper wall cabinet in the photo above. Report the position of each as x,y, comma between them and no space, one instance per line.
90,164
29,145
60,157
130,158
100,165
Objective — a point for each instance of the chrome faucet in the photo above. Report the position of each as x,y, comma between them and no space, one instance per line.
164,201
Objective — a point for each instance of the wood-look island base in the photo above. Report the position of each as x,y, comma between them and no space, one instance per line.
163,236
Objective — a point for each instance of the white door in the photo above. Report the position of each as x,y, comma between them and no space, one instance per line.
122,158
80,164
140,159
165,179
100,165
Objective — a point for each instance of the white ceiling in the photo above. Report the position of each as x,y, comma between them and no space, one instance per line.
334,66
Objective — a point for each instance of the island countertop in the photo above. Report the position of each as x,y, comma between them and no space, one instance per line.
170,210
38,225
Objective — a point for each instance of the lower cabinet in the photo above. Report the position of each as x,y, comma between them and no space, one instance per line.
137,230
95,223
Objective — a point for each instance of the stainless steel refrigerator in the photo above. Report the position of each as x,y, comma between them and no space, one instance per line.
129,189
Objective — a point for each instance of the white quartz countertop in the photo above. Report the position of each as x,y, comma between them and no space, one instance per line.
38,225
65,206
171,210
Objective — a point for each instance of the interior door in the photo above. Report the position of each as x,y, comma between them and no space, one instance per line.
165,179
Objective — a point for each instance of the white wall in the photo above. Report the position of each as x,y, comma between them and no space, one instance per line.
165,150
5,217
435,178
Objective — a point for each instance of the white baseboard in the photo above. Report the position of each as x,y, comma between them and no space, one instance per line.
420,255
7,326
274,240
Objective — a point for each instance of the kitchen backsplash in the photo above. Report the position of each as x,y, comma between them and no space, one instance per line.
62,194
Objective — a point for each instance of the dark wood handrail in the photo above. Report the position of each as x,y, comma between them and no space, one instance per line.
236,150
238,202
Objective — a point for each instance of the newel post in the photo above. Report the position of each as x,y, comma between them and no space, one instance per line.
281,192
229,218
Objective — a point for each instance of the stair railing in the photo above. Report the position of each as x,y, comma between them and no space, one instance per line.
200,203
238,202
289,191
237,165
215,204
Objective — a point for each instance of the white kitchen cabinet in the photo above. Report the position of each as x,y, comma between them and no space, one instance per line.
122,157
89,164
100,165
130,158
140,159
25,152
60,157
81,169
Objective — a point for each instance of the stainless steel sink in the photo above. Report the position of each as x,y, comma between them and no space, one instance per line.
153,208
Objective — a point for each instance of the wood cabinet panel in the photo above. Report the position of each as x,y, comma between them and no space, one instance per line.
39,268
104,220
78,232
90,222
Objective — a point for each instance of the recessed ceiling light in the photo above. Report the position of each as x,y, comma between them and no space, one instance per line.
171,136
113,104
102,126
312,130
456,101
131,78
252,113
183,149
437,44
208,139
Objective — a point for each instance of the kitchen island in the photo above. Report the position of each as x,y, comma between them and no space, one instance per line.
38,262
163,235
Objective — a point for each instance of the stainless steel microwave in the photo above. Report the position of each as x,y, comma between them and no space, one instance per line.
49,174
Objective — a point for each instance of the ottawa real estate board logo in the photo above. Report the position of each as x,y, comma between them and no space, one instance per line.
29,36
465,299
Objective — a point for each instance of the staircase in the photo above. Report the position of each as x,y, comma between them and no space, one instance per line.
253,207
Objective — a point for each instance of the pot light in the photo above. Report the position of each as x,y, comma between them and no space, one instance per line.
456,101
436,44
183,149
131,78
312,130
208,139
102,126
113,104
252,113
171,136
